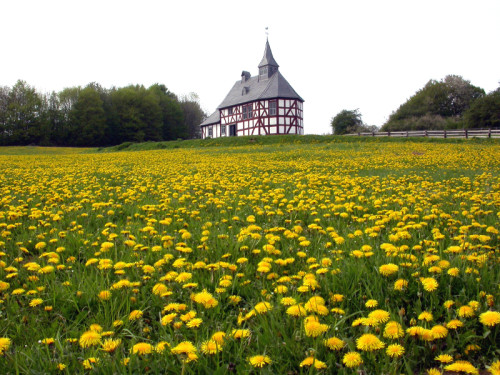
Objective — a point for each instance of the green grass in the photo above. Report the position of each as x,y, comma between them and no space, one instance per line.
334,141
41,150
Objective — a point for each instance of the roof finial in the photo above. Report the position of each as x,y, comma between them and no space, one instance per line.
267,32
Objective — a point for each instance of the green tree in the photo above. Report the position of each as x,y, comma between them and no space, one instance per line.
4,128
346,121
171,113
193,114
51,119
137,114
88,119
23,117
484,112
438,105
67,99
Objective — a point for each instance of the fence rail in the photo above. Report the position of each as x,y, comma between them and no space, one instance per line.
454,133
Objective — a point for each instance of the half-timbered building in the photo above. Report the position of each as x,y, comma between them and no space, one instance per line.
265,104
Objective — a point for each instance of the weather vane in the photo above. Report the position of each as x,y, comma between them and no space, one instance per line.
267,32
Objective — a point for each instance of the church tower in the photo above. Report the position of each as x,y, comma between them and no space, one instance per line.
268,66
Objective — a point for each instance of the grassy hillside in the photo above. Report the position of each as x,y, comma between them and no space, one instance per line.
280,139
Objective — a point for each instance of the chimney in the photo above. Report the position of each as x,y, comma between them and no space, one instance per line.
245,76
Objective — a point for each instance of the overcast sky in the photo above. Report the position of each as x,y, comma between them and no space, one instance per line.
371,55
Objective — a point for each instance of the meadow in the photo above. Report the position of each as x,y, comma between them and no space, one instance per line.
346,257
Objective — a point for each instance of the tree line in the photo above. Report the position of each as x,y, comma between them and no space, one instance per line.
95,116
451,103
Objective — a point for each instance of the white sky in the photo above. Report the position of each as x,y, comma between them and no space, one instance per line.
371,55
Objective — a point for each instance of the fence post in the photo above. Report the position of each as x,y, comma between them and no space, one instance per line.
489,133
373,134
466,134
407,134
425,133
388,134
445,133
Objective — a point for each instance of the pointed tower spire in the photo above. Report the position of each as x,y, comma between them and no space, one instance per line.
268,65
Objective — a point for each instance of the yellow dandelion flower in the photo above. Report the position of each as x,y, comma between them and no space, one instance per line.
337,298
35,302
206,299
210,347
439,332
429,283
40,245
4,345
369,342
388,269
425,315
462,366
311,361
89,363
142,348
296,310
433,371
48,341
188,316
110,345
465,311
314,328
219,337
490,318
334,343
135,314
90,338
380,316
495,368
104,295
453,272
448,304
259,360
444,358
61,366
288,301
167,319
185,347
240,333
194,323
161,346
263,307
393,330
371,303
395,350
454,324
400,284
352,359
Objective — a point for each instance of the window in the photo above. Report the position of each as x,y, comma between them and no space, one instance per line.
272,108
210,131
230,111
250,113
223,130
245,113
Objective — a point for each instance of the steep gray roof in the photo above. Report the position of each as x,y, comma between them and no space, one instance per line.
274,87
212,119
268,58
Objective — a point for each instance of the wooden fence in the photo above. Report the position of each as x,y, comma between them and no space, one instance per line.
454,133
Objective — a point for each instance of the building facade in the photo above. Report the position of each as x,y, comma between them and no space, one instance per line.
265,104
